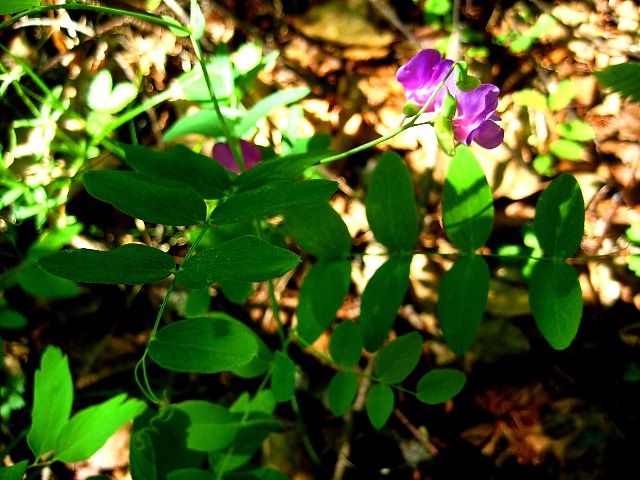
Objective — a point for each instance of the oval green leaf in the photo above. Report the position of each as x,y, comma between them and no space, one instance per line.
203,345
397,359
381,299
246,258
147,197
270,200
391,206
555,298
467,204
321,295
131,264
559,220
345,344
379,405
438,386
342,391
462,299
180,164
211,428
319,230
34,280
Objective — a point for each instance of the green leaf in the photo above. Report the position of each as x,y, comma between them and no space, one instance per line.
283,378
52,400
180,164
258,364
521,43
345,344
543,24
576,130
39,283
203,345
147,197
190,474
262,108
270,200
12,320
212,427
379,404
556,302
567,149
559,220
194,87
203,122
562,95
397,359
198,303
342,391
122,95
390,204
90,428
443,125
319,230
467,204
321,295
236,291
16,471
633,262
53,239
99,92
130,264
381,299
622,78
246,258
437,7
462,299
438,386
9,7
633,233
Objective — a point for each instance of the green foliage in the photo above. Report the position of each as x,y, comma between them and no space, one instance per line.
203,345
342,391
346,344
283,377
14,6
438,386
622,78
379,404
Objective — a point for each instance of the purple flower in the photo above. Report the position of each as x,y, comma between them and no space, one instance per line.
421,76
250,155
475,118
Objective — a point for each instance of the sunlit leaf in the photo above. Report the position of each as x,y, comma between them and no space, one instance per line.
438,386
379,404
397,359
99,92
559,220
147,197
462,299
381,299
262,108
321,295
555,298
567,149
52,401
530,98
562,96
246,258
390,204
212,427
622,78
576,130
345,344
467,204
197,22
89,429
319,230
17,470
342,391
203,345
130,264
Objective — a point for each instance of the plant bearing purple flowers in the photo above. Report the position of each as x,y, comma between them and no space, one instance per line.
474,119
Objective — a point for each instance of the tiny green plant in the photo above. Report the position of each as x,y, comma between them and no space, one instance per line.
226,204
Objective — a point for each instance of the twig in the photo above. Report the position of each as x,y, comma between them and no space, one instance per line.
387,12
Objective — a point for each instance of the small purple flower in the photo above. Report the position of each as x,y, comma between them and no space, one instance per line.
421,76
475,118
250,154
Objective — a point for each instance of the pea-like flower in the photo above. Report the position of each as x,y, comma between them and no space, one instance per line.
474,119
250,155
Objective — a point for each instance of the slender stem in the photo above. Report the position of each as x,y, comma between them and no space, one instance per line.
389,136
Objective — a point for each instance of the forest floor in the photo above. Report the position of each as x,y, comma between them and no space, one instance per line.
528,411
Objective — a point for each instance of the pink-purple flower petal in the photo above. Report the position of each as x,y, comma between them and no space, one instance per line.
250,154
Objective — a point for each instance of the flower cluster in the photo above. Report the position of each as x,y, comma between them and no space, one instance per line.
474,120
